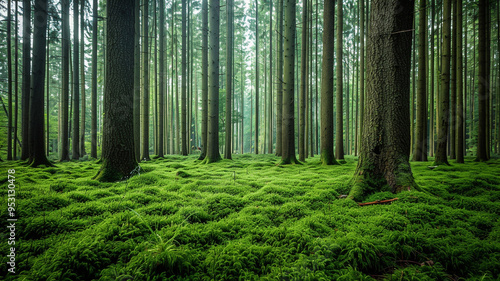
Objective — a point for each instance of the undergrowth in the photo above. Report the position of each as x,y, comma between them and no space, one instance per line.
249,219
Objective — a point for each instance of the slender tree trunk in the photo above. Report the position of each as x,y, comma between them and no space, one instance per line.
229,79
145,85
362,71
204,79
316,145
26,78
184,82
47,96
339,141
483,79
9,83
37,140
385,145
16,80
242,82
453,85
256,77
444,96
137,81
161,92
82,73
213,102
420,153
65,82
431,100
75,139
303,84
288,138
270,98
118,153
460,100
279,80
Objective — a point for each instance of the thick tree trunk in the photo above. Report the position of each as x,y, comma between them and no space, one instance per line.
279,81
444,96
37,140
483,79
303,84
75,139
213,154
385,146
460,99
339,136
288,138
65,82
26,79
229,79
420,153
327,151
93,132
362,72
204,79
118,155
145,85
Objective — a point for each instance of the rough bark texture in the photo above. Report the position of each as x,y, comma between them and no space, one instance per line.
37,140
483,81
327,151
229,80
453,85
137,81
460,99
279,81
339,136
93,130
145,85
288,144
444,96
270,98
385,146
82,79
420,153
26,80
118,155
65,83
75,139
184,140
161,85
256,77
303,84
362,71
9,83
213,154
204,78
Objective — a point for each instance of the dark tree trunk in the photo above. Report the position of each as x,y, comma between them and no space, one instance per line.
385,146
26,80
37,139
145,85
75,139
184,140
483,79
460,99
339,141
327,151
118,155
257,77
65,82
9,83
288,145
229,79
82,78
279,81
204,79
161,92
93,133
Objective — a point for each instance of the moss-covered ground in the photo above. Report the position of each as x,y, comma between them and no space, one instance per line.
248,219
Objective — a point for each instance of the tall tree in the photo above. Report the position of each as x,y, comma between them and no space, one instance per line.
161,92
420,153
288,138
36,136
460,99
213,154
256,77
303,83
204,78
137,80
229,78
339,136
93,130
145,85
118,155
327,151
362,70
184,140
453,85
75,139
385,146
483,87
279,80
25,95
444,93
270,98
82,78
65,82
9,83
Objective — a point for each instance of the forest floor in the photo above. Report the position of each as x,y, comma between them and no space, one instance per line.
248,219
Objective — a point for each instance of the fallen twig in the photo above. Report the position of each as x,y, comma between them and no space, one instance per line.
378,202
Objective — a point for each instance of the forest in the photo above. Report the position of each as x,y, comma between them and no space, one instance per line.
250,139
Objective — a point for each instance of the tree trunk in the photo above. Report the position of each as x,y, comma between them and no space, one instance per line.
453,85
362,72
145,85
339,136
37,140
257,77
75,139
204,79
383,163
26,79
444,96
213,102
483,79
288,138
420,153
161,92
137,81
9,83
431,100
327,151
82,73
279,80
460,99
65,82
229,79
270,98
93,133
118,152
303,83
184,83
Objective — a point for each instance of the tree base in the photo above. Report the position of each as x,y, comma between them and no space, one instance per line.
39,162
289,162
209,160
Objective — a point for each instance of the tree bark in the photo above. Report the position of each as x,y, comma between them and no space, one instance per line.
137,81
75,139
65,82
26,79
279,79
483,81
9,83
82,78
339,136
460,99
303,83
183,83
145,85
204,79
270,98
257,77
383,163
229,79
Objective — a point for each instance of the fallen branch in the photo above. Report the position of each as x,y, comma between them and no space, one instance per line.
378,202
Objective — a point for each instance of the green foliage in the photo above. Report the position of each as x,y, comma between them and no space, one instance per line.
248,219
